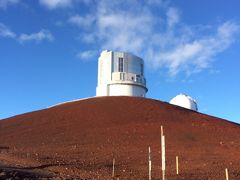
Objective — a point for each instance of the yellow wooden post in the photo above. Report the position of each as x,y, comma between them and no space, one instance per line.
226,171
163,153
149,164
113,168
177,166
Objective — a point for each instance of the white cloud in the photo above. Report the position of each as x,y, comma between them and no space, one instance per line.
37,37
87,38
81,21
6,32
5,3
121,29
159,2
53,4
197,55
173,17
86,55
162,39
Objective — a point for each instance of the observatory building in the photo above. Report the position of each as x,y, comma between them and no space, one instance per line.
184,101
120,74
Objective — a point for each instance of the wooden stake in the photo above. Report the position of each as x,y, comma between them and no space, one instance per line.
161,131
113,168
149,163
226,171
177,165
163,153
163,158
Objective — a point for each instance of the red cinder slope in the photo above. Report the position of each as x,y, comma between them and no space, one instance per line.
80,139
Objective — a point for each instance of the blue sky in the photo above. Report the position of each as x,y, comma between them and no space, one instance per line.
49,50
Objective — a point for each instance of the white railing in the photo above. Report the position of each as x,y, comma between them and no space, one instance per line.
123,76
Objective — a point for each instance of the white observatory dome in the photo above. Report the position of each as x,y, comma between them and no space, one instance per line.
120,74
184,101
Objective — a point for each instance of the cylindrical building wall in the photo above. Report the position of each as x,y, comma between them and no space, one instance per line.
126,90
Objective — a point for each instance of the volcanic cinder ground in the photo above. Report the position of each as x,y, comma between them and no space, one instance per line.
79,140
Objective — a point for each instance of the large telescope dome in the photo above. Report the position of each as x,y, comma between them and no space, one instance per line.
184,101
120,74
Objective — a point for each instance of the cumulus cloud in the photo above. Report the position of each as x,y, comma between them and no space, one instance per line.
37,37
82,21
172,16
42,35
86,55
159,2
5,3
121,31
162,39
196,55
53,4
6,32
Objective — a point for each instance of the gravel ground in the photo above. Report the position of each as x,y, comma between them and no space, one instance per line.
79,140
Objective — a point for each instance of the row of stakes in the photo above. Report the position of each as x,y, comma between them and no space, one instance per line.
163,161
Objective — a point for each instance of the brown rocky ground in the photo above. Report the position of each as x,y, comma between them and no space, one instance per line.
78,140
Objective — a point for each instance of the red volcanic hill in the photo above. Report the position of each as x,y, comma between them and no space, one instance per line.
79,140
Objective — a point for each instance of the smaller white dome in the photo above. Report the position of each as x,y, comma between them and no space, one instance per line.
184,101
